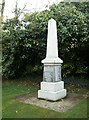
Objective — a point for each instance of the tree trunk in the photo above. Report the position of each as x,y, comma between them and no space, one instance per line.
2,9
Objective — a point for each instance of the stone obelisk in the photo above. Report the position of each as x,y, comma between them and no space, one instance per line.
52,87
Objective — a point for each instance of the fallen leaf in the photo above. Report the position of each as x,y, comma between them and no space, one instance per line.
16,111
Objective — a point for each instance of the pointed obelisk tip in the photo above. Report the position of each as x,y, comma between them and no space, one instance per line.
52,19
52,44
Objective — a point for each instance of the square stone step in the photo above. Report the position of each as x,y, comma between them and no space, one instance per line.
54,96
52,86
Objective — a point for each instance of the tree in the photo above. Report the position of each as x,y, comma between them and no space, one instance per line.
18,11
2,9
24,42
1,20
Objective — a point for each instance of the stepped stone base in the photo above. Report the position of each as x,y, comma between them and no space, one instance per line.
52,91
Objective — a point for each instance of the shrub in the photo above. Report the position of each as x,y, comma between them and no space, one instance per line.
24,42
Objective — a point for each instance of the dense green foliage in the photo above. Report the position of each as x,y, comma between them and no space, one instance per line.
24,42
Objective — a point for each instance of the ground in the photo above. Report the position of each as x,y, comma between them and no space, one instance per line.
61,105
15,109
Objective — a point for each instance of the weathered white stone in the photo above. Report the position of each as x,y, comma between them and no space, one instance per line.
52,61
52,86
52,44
52,73
54,96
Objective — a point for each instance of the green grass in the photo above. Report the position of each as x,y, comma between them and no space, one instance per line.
16,109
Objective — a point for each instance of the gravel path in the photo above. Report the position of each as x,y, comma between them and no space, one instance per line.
60,106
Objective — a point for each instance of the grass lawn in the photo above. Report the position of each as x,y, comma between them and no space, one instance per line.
16,109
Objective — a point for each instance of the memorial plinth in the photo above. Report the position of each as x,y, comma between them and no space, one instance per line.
52,88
